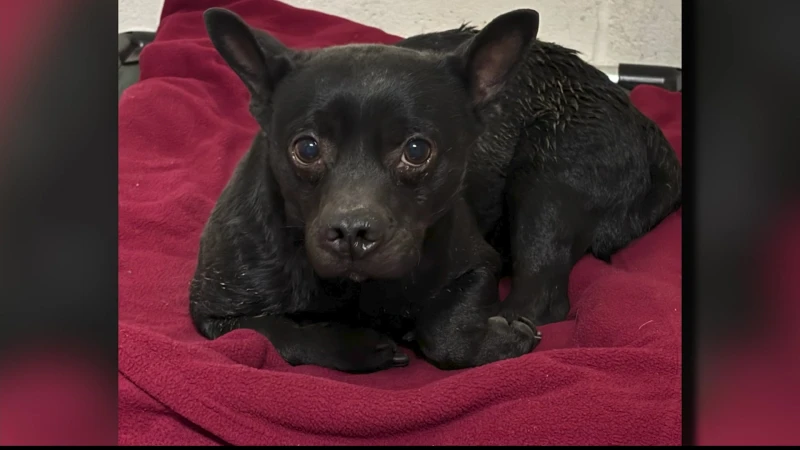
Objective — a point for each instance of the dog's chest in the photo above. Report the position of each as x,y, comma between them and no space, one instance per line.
388,307
394,299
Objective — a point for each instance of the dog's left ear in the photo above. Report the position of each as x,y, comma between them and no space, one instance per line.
259,59
489,59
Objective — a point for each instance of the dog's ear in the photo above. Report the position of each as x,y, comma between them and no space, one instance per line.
489,59
258,58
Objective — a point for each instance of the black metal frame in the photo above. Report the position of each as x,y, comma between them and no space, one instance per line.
129,46
632,75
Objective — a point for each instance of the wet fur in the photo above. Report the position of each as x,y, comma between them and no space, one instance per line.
563,122
566,165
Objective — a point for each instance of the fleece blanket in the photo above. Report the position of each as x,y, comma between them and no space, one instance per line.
610,374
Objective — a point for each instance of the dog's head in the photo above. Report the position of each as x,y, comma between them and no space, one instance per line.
369,143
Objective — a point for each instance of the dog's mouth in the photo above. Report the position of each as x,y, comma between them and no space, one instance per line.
356,271
392,263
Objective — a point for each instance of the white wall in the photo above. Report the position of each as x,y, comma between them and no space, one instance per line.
607,32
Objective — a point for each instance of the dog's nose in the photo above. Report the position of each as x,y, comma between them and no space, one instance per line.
354,236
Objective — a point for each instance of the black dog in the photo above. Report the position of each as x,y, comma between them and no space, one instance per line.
391,186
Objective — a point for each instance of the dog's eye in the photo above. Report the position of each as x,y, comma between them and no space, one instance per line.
416,152
306,150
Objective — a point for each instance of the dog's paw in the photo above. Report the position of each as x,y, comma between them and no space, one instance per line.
366,350
512,339
388,351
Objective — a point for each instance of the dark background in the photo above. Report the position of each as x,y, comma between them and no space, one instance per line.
58,216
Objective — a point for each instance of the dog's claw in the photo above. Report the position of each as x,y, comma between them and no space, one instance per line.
400,360
527,322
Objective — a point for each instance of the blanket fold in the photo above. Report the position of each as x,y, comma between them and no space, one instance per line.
611,374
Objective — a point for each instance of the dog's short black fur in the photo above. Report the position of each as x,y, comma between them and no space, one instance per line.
391,186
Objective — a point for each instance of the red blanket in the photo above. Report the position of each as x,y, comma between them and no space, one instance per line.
611,374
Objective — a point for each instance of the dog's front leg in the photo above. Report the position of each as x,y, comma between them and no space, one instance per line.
327,344
459,327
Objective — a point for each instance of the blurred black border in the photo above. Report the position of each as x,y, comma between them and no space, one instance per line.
58,205
741,131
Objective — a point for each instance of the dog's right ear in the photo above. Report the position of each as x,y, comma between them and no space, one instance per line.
260,61
489,59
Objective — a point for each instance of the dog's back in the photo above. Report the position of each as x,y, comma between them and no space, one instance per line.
444,41
563,120
581,129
